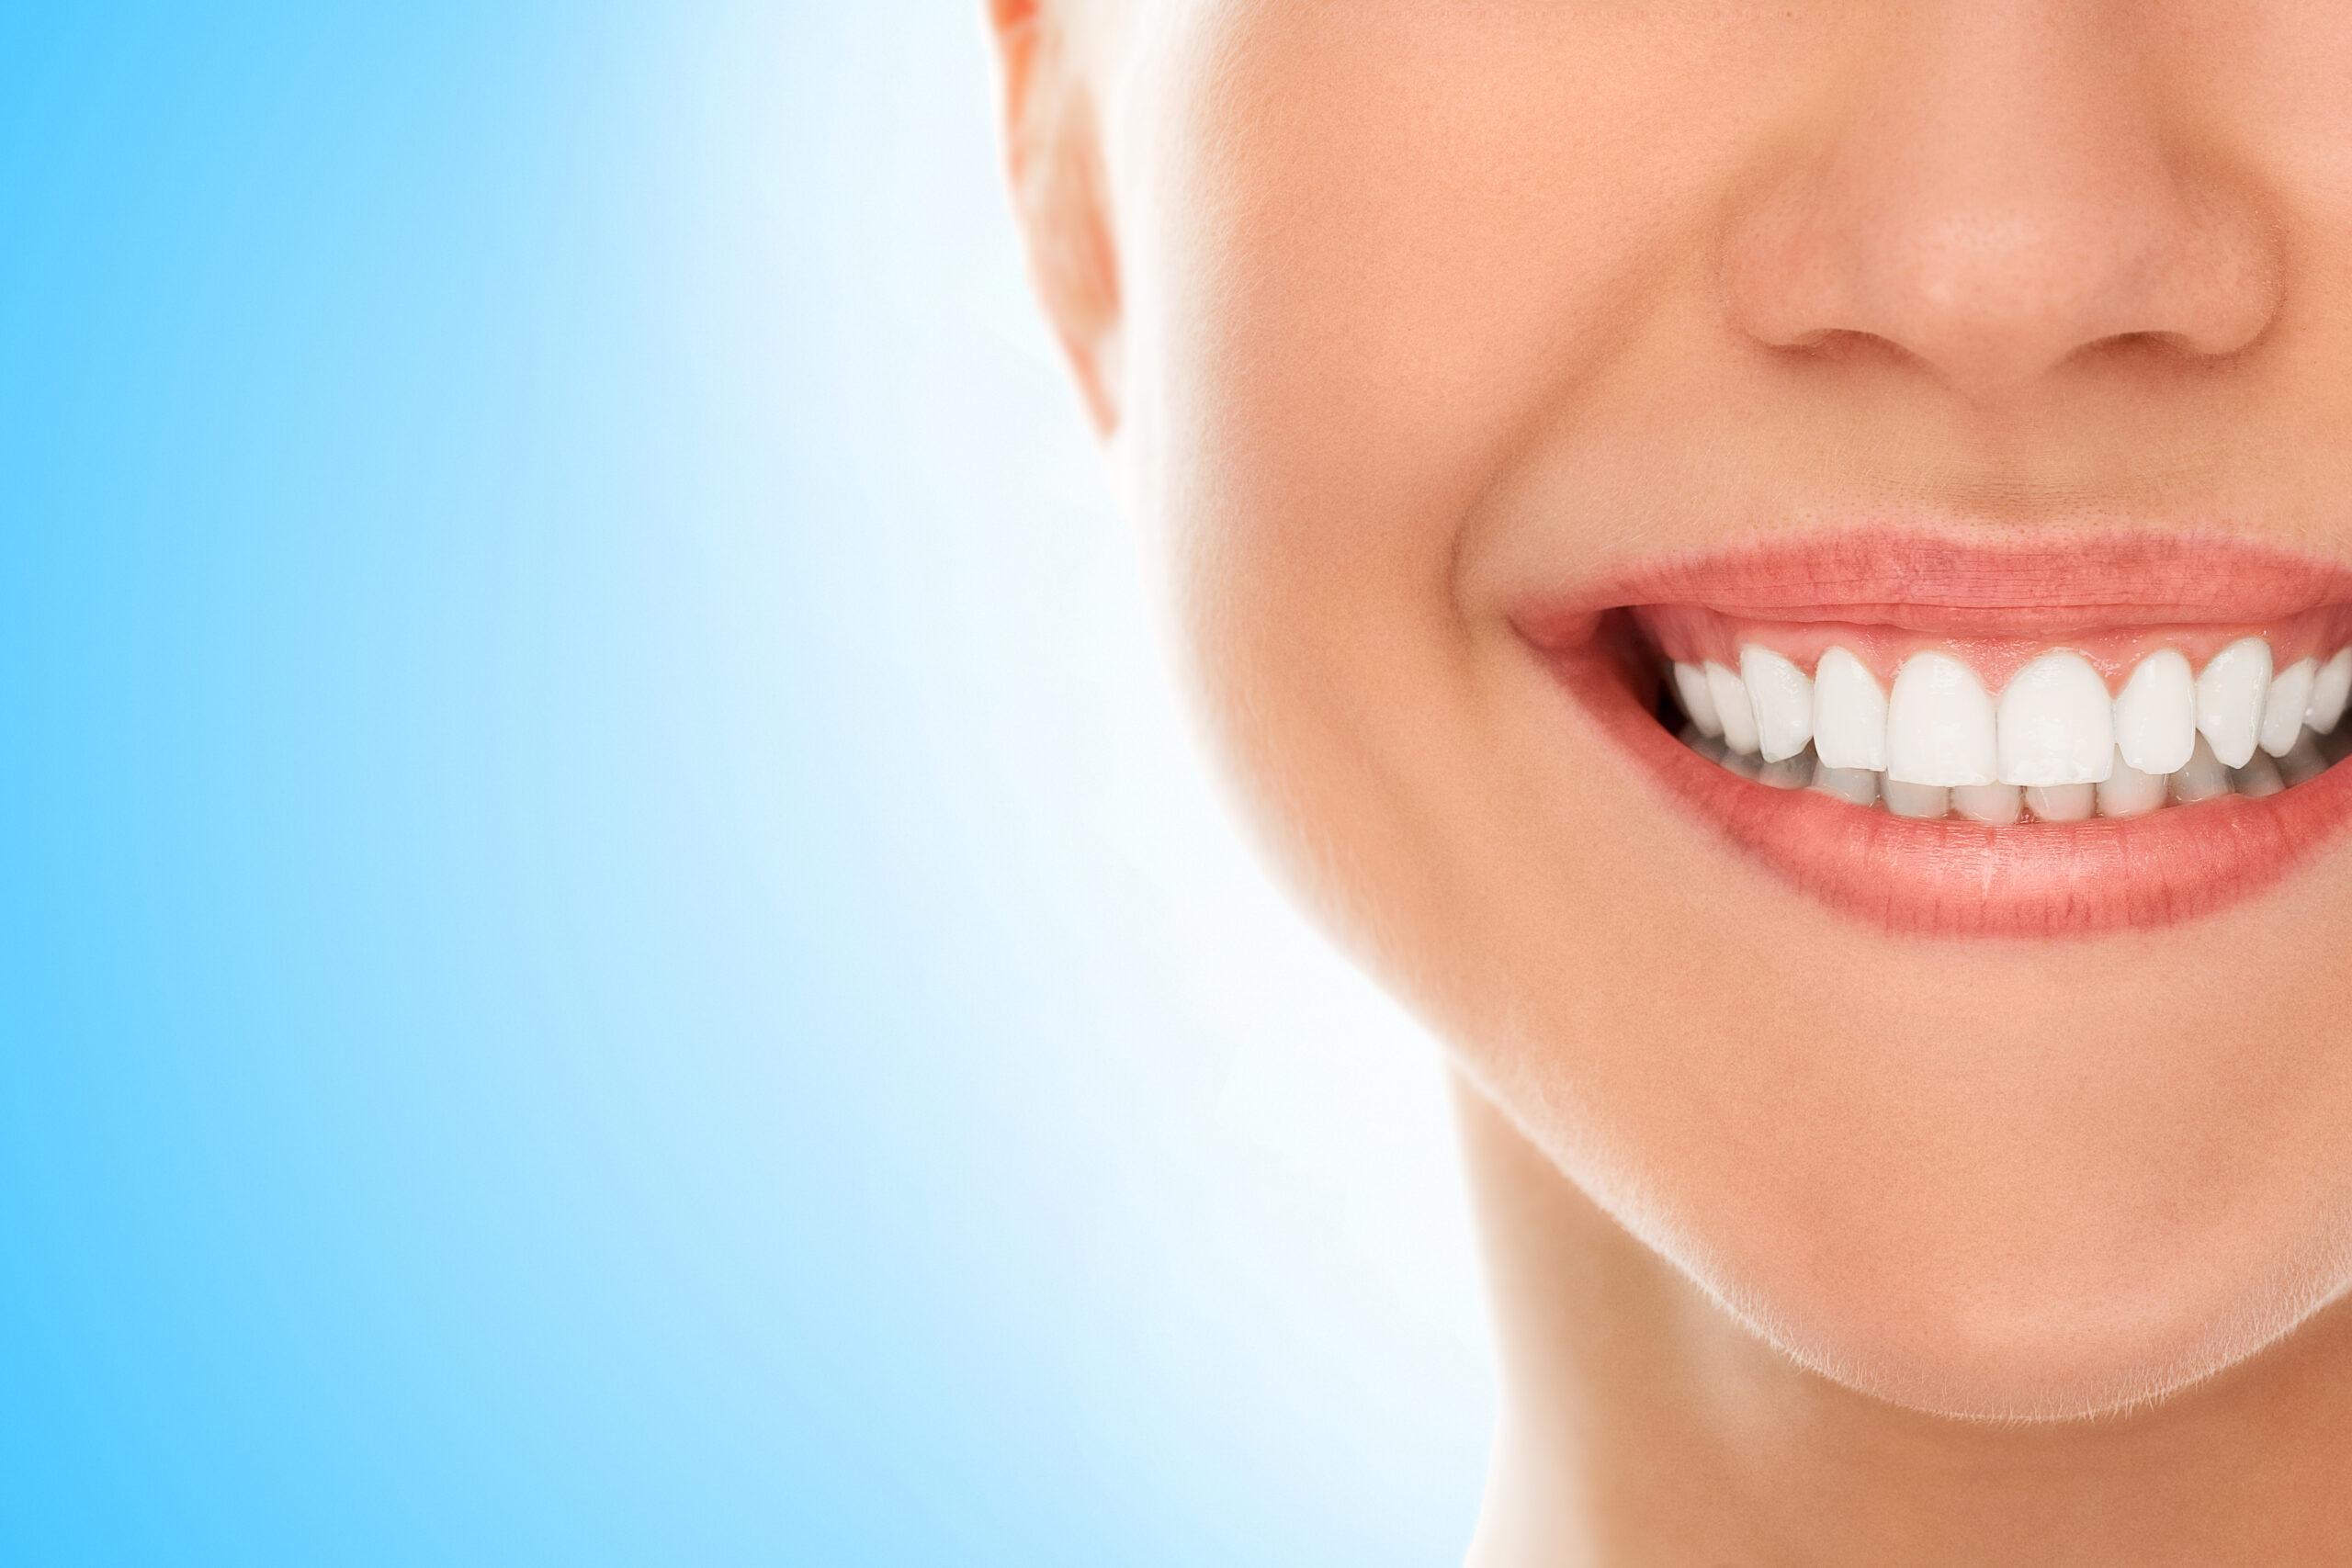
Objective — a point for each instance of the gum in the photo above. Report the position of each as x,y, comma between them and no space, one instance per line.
1695,634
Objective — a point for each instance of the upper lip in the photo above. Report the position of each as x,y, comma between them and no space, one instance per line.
1976,583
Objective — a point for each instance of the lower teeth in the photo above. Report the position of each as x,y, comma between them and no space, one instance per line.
2127,794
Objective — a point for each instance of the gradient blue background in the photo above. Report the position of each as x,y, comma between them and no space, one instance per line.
612,952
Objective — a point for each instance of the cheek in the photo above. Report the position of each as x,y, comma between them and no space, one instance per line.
1379,254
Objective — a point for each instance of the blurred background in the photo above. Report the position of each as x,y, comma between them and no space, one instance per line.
612,952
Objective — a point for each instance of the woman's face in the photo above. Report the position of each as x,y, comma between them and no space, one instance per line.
1471,361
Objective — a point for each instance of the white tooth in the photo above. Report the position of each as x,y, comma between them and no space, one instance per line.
2127,792
2283,710
1916,799
1939,725
2202,777
2062,803
2303,762
1782,696
2260,777
1997,804
1732,709
1857,785
1848,714
1698,702
2332,685
2056,724
2156,719
2230,695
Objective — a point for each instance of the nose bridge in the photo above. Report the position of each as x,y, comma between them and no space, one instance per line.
1999,191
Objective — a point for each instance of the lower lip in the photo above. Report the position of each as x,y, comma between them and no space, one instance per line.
1950,878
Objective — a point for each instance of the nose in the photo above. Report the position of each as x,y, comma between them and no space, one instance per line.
2000,194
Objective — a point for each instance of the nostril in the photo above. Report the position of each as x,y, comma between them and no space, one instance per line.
2152,349
1847,345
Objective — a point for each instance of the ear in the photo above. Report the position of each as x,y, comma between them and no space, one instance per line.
1054,161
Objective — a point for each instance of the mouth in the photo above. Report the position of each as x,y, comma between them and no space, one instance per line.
2030,737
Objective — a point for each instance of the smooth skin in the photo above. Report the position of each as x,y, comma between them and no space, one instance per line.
1810,1243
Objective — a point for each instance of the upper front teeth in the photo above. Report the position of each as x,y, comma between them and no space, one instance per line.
2230,696
2156,719
1848,714
1939,725
1733,709
2057,724
1698,696
2283,710
1782,696
2329,690
2054,731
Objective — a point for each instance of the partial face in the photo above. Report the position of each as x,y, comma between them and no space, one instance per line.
1779,572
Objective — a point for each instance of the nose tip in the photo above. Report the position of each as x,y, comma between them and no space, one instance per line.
1993,299
1995,212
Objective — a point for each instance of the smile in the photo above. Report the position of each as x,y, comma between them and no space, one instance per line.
1974,738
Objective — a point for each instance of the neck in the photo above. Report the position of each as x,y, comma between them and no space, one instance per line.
1643,1424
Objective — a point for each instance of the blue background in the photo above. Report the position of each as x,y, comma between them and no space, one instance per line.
613,951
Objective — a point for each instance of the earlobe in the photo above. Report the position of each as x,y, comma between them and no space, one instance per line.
1054,162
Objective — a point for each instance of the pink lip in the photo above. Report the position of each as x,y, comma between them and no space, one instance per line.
1936,581
1955,878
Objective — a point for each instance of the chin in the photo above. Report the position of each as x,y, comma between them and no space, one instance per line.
2027,1322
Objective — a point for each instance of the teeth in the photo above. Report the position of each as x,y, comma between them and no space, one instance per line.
1781,695
2201,778
1998,803
2127,792
2282,711
2230,697
2260,777
1905,799
1915,800
2062,803
2156,719
1849,714
2056,724
2304,760
1939,725
2054,744
1732,709
2329,691
1855,786
1698,701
